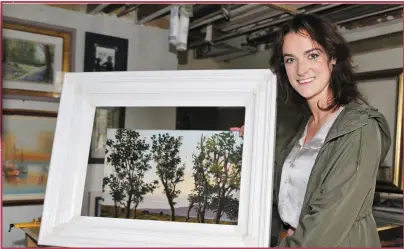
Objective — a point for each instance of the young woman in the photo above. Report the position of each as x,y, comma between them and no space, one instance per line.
325,172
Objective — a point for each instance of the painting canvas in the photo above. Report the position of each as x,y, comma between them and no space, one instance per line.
105,53
27,146
182,176
28,61
34,58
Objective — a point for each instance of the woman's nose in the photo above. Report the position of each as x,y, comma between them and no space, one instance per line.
302,68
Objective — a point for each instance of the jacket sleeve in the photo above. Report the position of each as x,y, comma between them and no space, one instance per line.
334,207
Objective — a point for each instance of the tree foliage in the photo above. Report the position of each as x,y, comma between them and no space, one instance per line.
166,149
130,158
217,173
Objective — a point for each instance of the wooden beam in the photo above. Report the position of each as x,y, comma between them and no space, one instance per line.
163,23
150,12
283,7
95,8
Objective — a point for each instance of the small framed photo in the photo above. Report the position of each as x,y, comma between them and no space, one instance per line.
105,53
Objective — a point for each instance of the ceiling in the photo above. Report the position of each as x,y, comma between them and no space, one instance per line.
243,29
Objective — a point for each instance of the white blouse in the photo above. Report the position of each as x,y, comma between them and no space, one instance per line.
296,172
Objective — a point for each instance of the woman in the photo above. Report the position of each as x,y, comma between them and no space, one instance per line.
325,173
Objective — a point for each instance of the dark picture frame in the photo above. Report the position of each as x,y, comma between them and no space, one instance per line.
105,53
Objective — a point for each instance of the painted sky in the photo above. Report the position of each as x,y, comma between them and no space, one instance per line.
158,199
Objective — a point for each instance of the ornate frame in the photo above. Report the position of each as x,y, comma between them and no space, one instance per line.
34,113
62,223
66,57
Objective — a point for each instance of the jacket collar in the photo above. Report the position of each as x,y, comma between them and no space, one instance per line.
354,116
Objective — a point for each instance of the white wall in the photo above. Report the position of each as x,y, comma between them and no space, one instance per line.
148,50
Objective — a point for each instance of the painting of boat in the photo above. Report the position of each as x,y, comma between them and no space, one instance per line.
26,156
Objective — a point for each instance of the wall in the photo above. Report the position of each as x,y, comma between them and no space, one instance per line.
366,45
368,55
148,50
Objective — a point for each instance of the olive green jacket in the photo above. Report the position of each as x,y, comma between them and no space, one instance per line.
337,208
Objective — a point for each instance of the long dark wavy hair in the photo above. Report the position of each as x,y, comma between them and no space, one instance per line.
324,33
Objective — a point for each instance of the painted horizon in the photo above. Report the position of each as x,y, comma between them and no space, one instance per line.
186,176
26,156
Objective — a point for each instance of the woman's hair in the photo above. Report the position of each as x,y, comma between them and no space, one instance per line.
324,33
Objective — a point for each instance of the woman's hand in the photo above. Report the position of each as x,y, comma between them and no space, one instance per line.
239,129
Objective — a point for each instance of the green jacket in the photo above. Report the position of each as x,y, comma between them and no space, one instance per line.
337,209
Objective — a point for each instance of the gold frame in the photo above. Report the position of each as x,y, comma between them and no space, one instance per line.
396,183
29,113
398,159
66,57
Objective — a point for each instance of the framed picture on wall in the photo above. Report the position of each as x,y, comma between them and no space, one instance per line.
383,90
34,60
105,53
105,118
26,150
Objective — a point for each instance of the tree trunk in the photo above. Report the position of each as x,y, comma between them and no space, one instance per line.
191,205
172,210
48,61
219,208
170,202
128,207
116,209
205,200
135,209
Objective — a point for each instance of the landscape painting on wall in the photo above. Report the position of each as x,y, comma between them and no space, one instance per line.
182,176
28,61
26,150
34,59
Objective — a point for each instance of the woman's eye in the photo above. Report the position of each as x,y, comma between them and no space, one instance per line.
313,56
289,60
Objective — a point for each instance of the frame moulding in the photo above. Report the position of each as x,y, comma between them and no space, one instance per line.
62,223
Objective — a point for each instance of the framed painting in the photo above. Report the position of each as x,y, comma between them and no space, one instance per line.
34,60
384,90
105,118
26,150
105,53
62,223
198,183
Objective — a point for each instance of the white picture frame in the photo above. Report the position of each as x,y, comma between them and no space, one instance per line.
62,223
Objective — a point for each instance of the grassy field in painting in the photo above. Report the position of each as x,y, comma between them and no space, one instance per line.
108,211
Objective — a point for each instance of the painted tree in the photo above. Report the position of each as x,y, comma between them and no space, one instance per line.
200,195
166,149
130,158
116,190
224,162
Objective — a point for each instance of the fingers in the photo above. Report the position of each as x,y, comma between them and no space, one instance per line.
239,129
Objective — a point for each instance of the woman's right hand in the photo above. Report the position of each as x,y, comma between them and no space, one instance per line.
239,129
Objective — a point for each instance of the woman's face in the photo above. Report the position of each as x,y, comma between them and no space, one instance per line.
307,66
